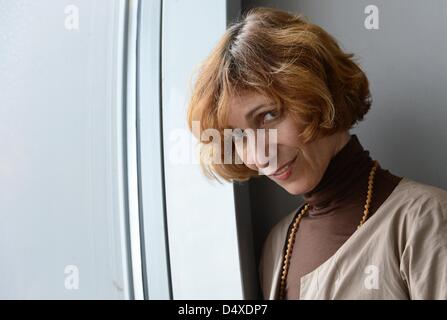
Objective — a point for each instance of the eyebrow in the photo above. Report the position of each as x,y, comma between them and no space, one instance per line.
250,113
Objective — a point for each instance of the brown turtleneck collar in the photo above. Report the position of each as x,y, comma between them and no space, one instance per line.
342,179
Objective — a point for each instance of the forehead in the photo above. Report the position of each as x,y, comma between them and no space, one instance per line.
239,105
246,101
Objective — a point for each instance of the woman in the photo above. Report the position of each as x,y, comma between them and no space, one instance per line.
362,232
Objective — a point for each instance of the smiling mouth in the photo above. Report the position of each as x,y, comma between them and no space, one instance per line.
284,168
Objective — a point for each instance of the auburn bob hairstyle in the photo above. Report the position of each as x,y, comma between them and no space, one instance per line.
293,62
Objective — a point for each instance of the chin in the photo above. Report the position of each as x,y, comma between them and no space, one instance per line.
297,187
293,187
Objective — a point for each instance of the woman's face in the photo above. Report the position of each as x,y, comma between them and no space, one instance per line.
308,162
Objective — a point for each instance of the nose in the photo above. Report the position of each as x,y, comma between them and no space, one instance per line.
259,162
258,156
255,151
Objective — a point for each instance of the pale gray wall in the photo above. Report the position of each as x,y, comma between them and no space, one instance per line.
405,61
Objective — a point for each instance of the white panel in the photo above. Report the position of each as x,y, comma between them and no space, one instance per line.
156,264
61,177
131,149
201,215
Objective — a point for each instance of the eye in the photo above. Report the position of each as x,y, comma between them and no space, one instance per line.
268,116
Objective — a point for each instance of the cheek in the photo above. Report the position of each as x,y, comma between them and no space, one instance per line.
241,155
239,152
287,140
288,133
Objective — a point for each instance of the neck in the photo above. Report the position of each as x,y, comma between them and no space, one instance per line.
343,179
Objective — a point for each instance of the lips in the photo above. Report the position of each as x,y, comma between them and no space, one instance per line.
283,168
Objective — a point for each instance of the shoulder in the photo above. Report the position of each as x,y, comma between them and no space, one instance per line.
422,260
277,234
423,210
272,250
423,190
424,199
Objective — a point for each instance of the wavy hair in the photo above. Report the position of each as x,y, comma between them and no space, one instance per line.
288,59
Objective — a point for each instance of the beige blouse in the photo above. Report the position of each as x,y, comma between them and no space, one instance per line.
399,253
